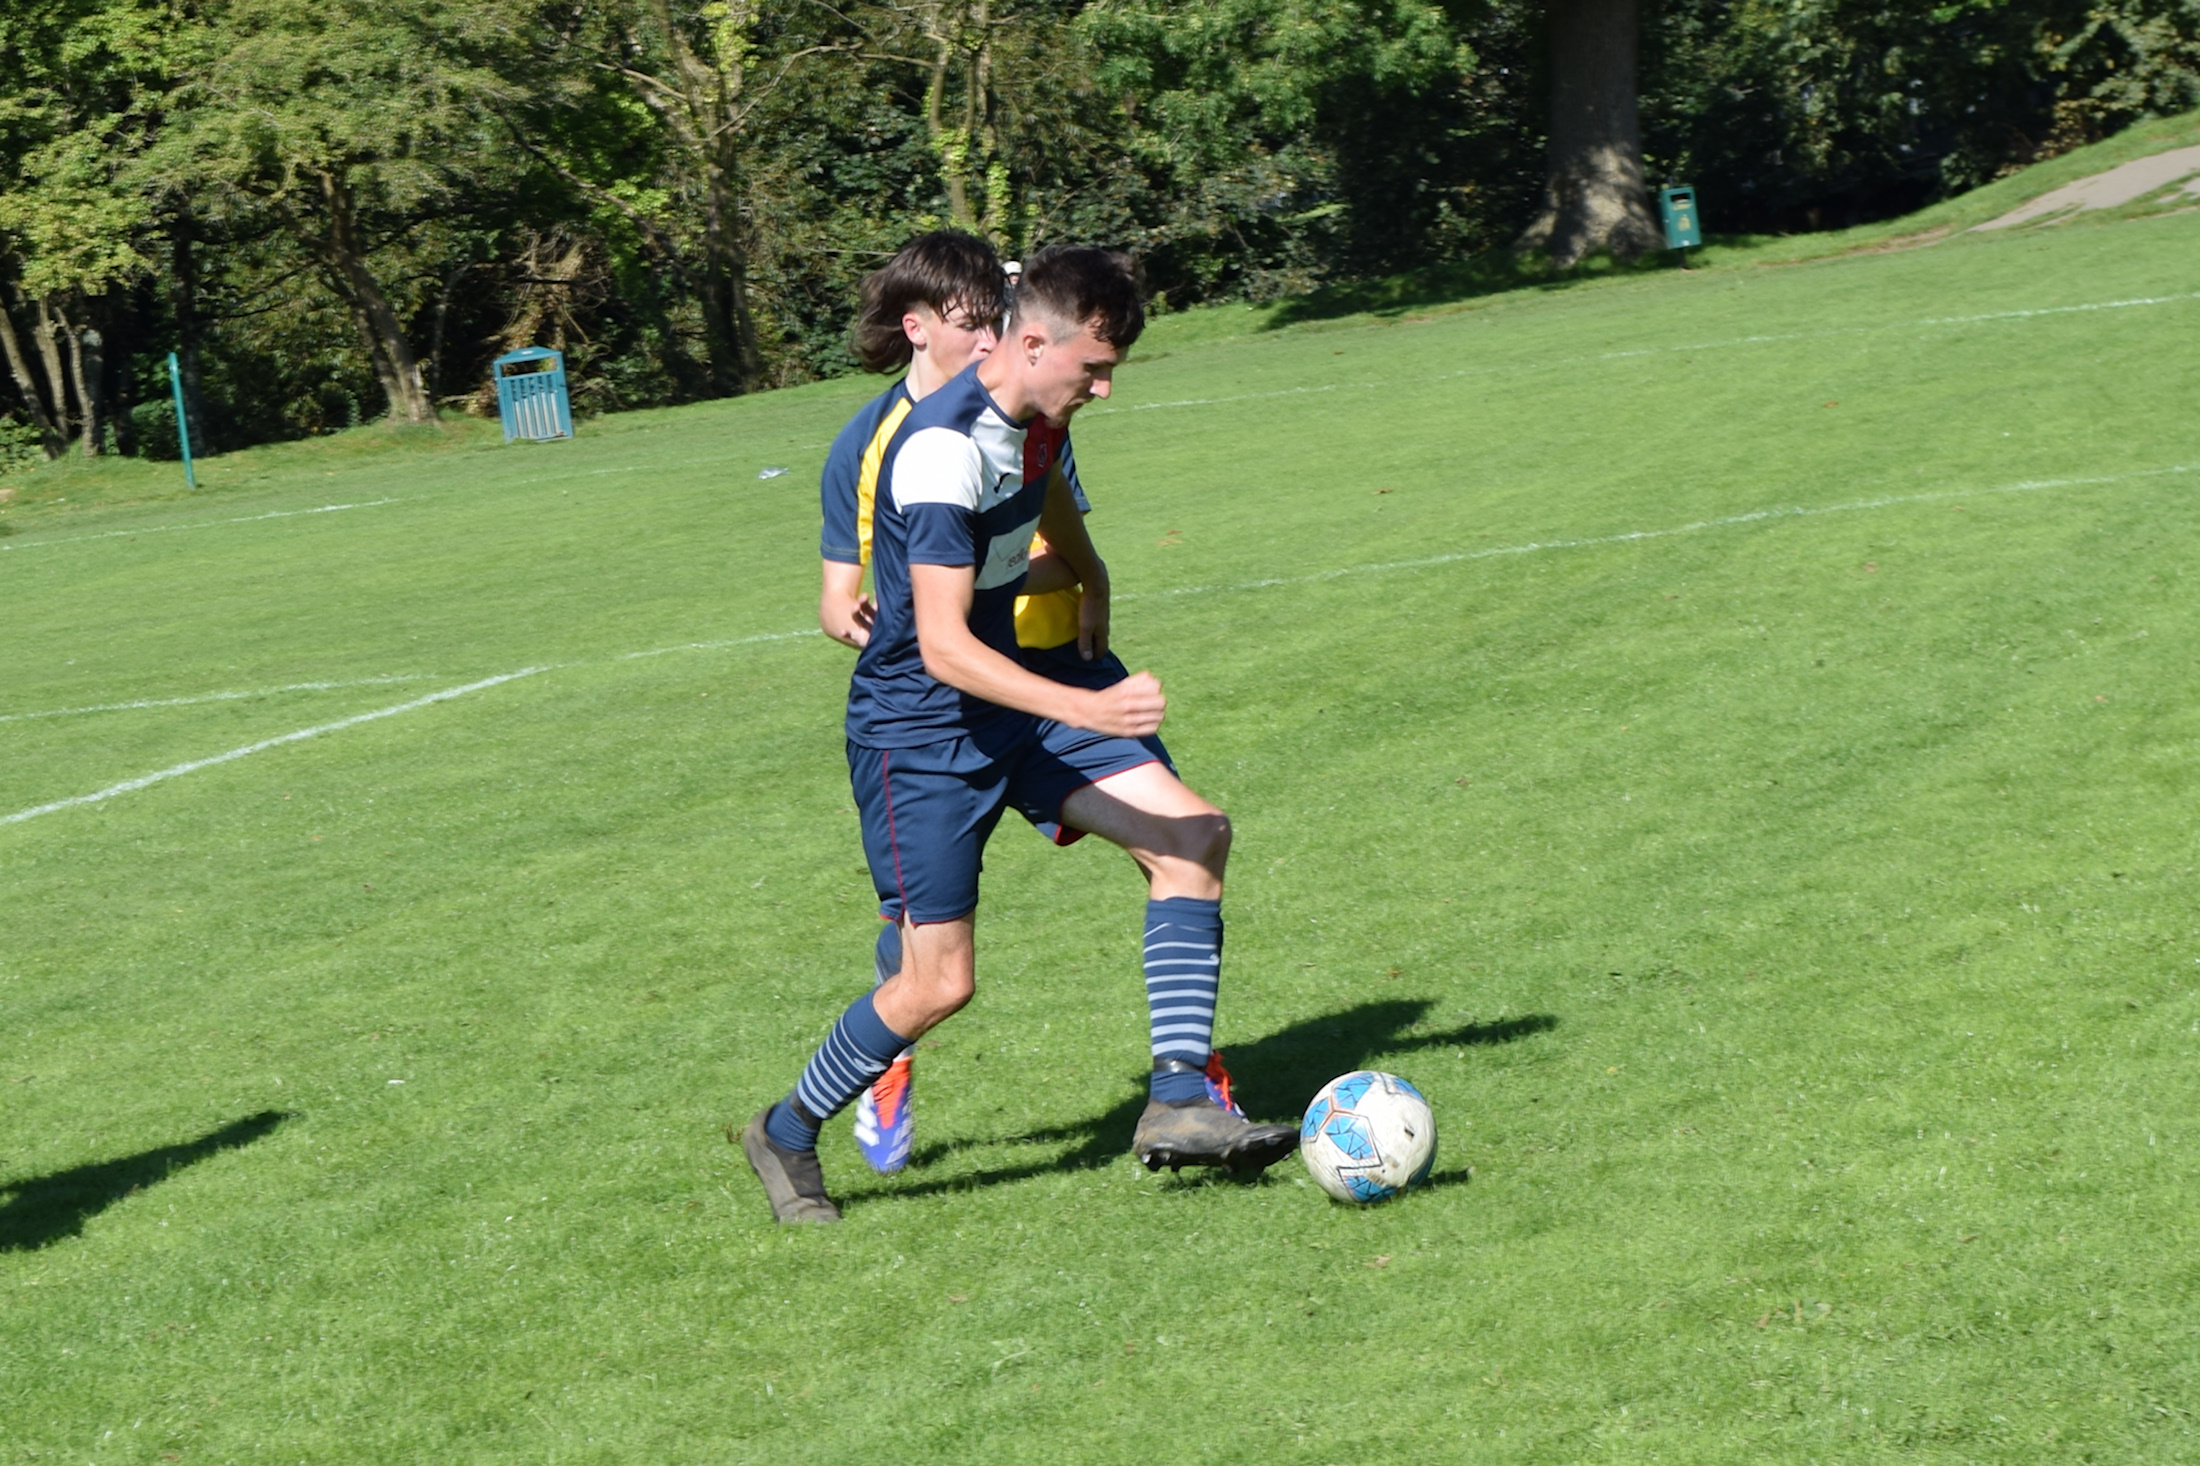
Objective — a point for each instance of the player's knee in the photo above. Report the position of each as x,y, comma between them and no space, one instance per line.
1206,841
945,993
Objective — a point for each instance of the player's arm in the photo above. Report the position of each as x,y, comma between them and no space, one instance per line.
844,612
1063,523
1047,572
952,653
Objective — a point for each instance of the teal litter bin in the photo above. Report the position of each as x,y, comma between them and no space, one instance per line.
1677,209
531,394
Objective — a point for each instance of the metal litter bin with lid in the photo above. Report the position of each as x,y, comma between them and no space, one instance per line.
531,394
1677,208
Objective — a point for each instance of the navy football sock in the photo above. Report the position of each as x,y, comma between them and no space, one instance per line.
886,959
1183,970
856,1052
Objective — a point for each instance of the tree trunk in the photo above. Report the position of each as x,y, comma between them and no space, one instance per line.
87,362
49,355
706,123
344,257
50,437
184,283
1594,200
734,361
952,147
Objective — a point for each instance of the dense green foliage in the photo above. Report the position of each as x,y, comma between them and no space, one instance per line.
343,208
1726,736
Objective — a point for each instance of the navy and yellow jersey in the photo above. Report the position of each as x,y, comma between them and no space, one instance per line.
850,483
952,492
1050,620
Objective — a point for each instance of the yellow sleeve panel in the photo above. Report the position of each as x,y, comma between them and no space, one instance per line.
874,458
1048,621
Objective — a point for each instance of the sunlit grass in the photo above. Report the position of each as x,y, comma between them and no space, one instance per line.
1726,737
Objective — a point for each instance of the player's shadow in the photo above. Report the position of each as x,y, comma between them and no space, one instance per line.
42,1210
1274,1077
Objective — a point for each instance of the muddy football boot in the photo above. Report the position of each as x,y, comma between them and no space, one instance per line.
884,1125
793,1181
1199,1132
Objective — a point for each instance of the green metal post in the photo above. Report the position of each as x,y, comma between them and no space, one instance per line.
183,421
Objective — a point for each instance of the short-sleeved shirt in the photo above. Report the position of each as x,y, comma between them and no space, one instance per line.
849,491
851,475
951,491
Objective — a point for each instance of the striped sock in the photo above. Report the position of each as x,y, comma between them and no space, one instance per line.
856,1052
1183,969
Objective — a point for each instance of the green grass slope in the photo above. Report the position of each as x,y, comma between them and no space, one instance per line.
1726,736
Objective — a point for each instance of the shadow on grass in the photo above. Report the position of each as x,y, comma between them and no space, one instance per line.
1491,273
43,1210
1274,1077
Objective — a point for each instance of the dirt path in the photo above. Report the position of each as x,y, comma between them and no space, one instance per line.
2133,180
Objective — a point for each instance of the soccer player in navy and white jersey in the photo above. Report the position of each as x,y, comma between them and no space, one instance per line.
947,728
922,310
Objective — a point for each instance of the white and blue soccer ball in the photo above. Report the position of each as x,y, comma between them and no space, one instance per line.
1368,1136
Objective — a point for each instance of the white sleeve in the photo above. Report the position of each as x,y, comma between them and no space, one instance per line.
938,466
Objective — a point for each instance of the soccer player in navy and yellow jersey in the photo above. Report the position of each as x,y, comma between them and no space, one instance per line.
947,729
934,308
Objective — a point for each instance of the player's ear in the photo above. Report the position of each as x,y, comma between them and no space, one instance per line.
912,326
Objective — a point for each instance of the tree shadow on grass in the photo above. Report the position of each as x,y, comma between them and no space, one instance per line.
42,1210
1493,272
1274,1077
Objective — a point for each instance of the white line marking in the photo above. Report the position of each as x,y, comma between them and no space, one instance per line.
116,534
1755,516
128,786
204,697
711,646
1533,366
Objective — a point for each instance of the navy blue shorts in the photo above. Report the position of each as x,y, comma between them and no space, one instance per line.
928,811
1063,664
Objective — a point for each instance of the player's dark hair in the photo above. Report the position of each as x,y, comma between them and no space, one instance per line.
1080,285
947,270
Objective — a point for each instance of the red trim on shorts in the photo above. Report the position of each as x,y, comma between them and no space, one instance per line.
886,786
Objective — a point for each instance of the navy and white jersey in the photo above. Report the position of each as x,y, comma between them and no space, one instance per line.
850,484
952,493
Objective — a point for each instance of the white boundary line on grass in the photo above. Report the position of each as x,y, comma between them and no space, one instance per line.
128,786
205,697
1553,365
1757,516
116,534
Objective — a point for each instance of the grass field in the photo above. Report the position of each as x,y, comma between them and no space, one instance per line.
1727,736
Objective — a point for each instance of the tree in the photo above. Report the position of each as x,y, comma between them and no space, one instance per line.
348,123
77,78
1594,199
702,73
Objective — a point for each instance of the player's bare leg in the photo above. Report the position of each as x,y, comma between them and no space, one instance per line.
1182,843
937,977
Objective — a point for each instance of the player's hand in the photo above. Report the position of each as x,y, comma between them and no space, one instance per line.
1131,708
848,622
1092,623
